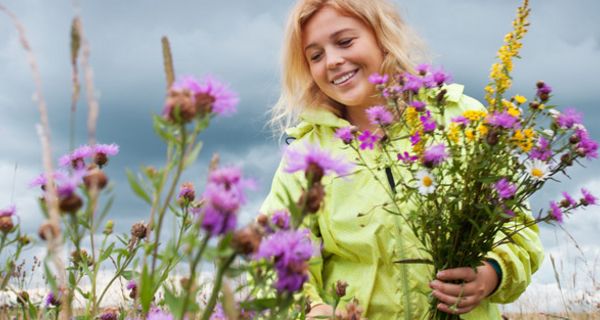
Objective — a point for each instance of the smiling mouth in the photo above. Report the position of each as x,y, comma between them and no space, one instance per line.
344,78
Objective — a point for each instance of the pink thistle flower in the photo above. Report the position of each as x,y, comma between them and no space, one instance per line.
186,192
586,147
427,122
281,219
407,158
556,212
502,119
505,189
568,118
158,314
568,201
415,138
186,83
314,158
290,251
588,198
106,149
67,183
418,105
422,69
379,115
368,140
76,158
8,212
434,155
345,134
460,120
436,79
542,150
223,99
413,83
376,78
131,285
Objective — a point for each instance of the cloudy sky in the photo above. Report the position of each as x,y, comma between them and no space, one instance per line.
239,42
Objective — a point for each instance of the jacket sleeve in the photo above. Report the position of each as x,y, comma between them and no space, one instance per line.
274,201
518,260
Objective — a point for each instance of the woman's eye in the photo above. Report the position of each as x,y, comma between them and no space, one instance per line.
345,42
315,57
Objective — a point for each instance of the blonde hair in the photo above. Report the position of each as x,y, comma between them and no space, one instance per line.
298,90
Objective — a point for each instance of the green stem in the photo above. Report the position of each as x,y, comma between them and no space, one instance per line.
118,274
161,213
192,279
217,287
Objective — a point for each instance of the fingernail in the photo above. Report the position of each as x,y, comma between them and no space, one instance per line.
440,274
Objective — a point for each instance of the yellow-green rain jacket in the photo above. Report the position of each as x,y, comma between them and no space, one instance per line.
359,240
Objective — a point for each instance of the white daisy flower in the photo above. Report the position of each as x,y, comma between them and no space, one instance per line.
554,113
425,182
537,169
548,132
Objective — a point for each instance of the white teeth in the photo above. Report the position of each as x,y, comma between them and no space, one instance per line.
344,78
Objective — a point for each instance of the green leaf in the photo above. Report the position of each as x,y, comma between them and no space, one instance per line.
259,304
50,277
174,303
137,188
193,155
106,253
146,289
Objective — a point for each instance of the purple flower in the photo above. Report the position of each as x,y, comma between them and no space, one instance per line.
109,315
345,134
542,150
412,83
8,212
368,140
224,194
568,200
223,99
407,158
422,69
502,119
586,147
418,105
505,189
556,212
157,314
314,156
131,285
281,219
76,158
67,183
218,313
435,155
437,78
543,89
107,149
376,78
568,118
415,138
52,300
186,192
427,122
379,115
460,120
290,251
186,83
588,198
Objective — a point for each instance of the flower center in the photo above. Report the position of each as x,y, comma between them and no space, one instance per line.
427,181
537,172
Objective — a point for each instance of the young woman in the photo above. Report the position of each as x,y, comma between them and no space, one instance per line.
331,47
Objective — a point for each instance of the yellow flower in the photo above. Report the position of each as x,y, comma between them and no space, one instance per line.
483,130
513,112
520,99
470,135
474,115
453,132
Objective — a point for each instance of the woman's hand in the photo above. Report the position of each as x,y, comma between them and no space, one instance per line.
462,298
320,310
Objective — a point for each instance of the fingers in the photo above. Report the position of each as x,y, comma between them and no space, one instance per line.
466,274
458,300
451,310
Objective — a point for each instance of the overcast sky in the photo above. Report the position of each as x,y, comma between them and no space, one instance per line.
238,41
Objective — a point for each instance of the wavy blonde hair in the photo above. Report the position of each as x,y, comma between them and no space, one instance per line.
298,90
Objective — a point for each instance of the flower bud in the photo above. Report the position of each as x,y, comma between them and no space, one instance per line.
23,298
540,84
574,139
204,103
182,101
95,176
70,204
48,229
80,256
246,240
100,159
492,137
108,228
262,220
534,105
6,224
441,96
313,198
314,172
340,288
139,230
24,240
109,314
566,159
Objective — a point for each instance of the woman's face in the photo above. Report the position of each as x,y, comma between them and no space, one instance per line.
342,53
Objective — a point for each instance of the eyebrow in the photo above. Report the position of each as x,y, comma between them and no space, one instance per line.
333,35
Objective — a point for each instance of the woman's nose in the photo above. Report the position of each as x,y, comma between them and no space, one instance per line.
334,60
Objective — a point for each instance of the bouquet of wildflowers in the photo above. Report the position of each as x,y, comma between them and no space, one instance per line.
469,175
